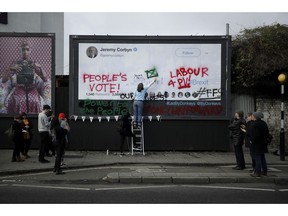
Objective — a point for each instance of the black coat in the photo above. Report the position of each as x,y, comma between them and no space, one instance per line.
237,135
247,135
258,136
60,136
18,136
126,126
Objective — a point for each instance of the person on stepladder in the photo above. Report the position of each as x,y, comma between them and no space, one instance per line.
138,98
124,130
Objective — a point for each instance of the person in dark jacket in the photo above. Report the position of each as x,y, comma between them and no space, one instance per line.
49,146
125,131
59,143
17,139
246,128
258,134
27,127
237,136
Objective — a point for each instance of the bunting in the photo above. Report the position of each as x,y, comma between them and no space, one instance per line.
108,118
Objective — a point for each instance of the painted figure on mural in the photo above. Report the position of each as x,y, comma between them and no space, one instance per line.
26,87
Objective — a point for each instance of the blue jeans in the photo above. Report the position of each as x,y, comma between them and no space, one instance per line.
261,165
252,154
138,109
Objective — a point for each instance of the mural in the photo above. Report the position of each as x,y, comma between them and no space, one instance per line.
25,73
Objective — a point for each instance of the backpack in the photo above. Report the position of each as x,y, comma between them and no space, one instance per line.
10,132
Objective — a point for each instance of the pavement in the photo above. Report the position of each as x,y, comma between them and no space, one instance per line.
154,167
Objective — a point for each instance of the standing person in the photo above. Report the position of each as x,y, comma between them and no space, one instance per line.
237,136
50,146
59,143
26,85
259,133
139,97
27,127
125,131
64,124
246,128
43,128
17,139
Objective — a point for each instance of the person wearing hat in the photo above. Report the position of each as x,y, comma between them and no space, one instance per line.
44,123
27,127
65,125
258,138
237,139
59,143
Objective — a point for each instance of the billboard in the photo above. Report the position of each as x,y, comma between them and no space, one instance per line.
182,71
26,72
191,75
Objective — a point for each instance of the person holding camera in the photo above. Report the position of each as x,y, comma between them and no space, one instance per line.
26,85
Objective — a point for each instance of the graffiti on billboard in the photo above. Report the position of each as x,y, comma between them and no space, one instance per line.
114,75
191,75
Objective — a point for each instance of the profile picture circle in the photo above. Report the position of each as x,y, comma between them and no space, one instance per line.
180,94
91,52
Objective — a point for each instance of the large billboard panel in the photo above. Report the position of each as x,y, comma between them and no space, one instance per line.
191,75
26,72
182,71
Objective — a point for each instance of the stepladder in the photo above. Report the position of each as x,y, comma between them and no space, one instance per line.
137,144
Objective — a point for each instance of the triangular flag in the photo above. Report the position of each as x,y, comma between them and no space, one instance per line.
108,118
99,118
91,118
83,118
150,118
75,117
116,117
158,117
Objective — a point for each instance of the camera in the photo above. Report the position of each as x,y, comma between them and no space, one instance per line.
25,76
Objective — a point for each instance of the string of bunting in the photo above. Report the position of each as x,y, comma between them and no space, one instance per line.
108,118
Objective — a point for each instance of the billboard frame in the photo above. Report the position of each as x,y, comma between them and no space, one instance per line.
224,40
35,36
